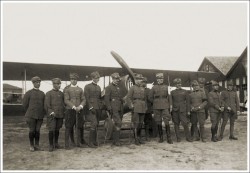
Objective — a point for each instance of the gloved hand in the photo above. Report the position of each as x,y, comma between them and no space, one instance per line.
78,109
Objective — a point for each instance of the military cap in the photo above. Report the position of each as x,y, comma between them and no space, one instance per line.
230,83
201,80
214,83
73,76
159,75
95,74
35,79
195,83
145,79
177,81
56,80
115,76
138,76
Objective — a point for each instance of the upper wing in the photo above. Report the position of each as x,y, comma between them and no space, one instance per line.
18,71
169,75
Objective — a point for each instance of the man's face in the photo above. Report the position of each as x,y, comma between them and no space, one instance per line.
159,81
37,84
116,81
144,84
230,87
96,80
201,85
216,87
178,86
56,86
196,87
138,82
73,81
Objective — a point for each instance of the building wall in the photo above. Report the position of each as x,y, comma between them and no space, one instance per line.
239,77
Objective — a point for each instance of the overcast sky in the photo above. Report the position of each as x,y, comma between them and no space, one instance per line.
172,36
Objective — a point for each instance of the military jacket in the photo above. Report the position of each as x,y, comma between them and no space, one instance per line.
54,102
137,98
74,96
33,103
180,100
197,99
230,99
149,104
113,98
214,100
92,93
159,97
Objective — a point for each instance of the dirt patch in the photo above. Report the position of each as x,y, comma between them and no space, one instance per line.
224,155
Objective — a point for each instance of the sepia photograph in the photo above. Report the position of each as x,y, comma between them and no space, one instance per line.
124,86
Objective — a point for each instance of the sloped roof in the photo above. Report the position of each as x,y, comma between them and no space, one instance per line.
224,64
10,87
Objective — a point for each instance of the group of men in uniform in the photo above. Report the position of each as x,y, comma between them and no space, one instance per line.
77,105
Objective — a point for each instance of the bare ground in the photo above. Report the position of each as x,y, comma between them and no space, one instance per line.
224,155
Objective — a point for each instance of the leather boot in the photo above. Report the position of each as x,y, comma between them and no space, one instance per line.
160,133
169,140
82,136
139,134
147,132
78,138
31,139
91,139
192,131
71,135
116,138
57,146
213,135
187,133
232,137
202,134
95,138
51,141
67,132
196,133
223,125
37,139
136,137
176,129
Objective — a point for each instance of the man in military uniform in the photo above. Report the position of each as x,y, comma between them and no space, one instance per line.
33,103
92,93
180,107
75,101
114,102
197,103
162,106
202,82
136,99
54,106
148,115
230,101
215,109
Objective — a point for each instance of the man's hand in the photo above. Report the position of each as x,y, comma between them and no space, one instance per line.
74,107
92,110
229,109
222,109
52,114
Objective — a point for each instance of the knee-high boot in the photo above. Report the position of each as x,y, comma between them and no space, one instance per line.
67,132
160,133
31,139
176,129
51,141
187,133
169,140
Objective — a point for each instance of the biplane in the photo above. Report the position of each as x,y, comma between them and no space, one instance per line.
17,71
